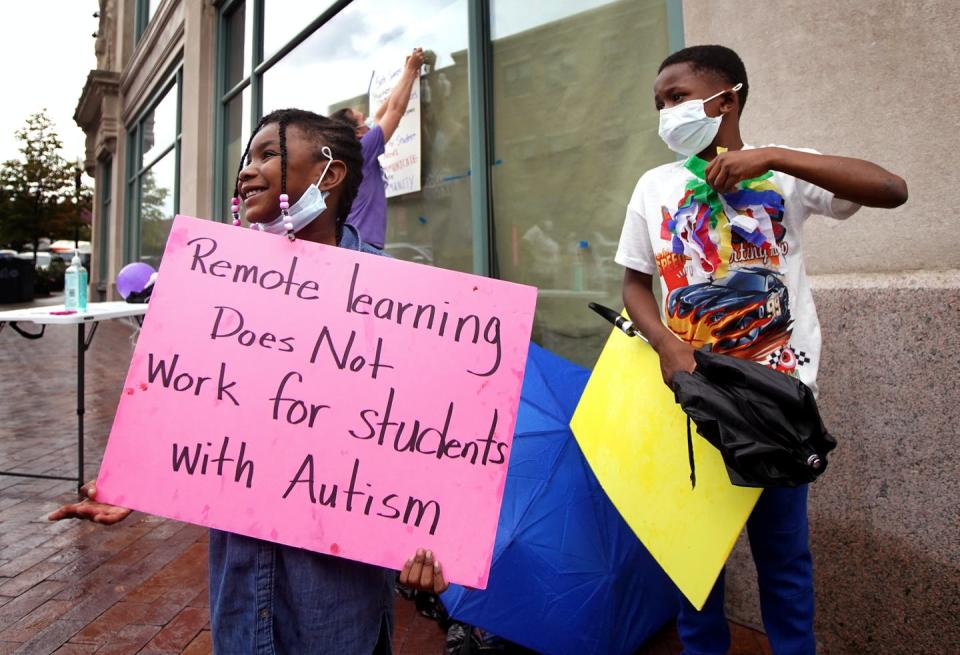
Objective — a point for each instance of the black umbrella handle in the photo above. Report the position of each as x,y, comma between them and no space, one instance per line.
618,321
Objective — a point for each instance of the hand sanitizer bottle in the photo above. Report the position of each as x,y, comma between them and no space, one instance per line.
75,285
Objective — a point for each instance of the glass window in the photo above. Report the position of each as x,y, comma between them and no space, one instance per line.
574,130
237,131
158,128
284,19
239,38
432,225
333,67
157,207
152,180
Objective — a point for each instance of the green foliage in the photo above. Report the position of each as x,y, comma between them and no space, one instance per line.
38,194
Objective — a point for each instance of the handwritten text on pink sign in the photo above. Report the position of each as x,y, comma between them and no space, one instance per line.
322,398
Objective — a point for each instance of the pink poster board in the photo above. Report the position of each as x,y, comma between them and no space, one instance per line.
322,398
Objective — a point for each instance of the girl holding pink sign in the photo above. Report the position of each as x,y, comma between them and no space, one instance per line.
266,597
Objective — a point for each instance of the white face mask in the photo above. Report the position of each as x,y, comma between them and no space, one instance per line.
310,205
686,128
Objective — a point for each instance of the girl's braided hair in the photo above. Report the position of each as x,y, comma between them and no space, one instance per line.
322,131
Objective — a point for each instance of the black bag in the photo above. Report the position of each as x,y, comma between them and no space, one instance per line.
765,424
141,296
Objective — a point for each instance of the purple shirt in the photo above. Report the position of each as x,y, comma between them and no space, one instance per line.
369,211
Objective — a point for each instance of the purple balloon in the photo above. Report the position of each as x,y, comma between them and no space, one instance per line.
133,278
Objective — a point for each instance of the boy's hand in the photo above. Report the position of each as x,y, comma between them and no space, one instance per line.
423,573
729,168
675,356
89,509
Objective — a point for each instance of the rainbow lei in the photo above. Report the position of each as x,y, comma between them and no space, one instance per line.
704,224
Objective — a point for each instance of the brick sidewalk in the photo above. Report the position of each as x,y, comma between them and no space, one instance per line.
137,587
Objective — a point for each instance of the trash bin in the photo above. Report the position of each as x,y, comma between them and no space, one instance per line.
16,280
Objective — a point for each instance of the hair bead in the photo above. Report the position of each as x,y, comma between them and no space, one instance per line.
235,210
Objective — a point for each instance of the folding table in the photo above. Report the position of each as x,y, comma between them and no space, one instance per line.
56,315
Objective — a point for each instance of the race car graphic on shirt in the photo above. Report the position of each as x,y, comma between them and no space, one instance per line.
746,314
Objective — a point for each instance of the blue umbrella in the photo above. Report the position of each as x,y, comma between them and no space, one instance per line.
568,574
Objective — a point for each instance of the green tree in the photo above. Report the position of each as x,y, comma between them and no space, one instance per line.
38,194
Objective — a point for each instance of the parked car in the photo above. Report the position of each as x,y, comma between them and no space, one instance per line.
43,258
69,246
64,249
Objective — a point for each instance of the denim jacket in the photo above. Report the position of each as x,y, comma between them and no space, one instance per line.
268,599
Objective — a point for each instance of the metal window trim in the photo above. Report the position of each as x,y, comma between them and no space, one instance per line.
176,143
105,165
220,77
131,216
239,88
163,153
256,57
480,90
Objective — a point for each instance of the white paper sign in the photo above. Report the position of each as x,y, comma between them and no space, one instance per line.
401,159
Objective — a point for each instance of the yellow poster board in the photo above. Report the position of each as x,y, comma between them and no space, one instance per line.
634,435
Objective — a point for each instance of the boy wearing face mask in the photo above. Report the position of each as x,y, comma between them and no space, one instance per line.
723,230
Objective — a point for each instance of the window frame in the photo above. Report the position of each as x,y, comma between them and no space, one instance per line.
134,173
104,205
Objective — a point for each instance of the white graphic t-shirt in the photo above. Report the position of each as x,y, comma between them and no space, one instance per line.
731,266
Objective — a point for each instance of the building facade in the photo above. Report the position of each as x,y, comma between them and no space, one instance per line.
537,121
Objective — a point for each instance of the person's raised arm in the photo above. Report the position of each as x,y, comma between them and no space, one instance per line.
675,355
389,115
856,180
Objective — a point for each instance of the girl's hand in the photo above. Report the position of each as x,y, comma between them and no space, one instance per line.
89,509
729,168
423,573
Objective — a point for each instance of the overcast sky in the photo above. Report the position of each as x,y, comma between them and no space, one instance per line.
47,50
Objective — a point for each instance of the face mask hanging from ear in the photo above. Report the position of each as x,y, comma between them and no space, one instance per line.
686,128
310,205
